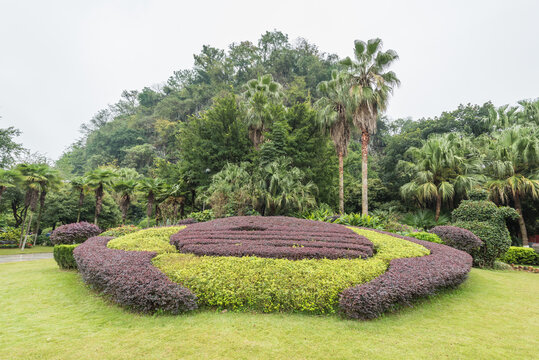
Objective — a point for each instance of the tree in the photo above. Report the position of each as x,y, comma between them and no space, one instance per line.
50,180
335,114
98,179
80,185
445,166
371,86
260,96
150,187
8,178
8,148
512,165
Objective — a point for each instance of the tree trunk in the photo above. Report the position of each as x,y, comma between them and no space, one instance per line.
438,207
41,205
341,183
364,173
521,222
23,225
27,231
182,208
150,205
81,201
98,202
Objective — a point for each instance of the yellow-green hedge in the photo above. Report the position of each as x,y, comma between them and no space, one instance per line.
154,239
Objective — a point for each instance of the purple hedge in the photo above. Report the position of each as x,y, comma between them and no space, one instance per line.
272,237
406,280
75,233
130,279
458,238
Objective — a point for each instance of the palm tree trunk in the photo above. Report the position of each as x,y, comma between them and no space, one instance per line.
364,172
521,222
438,207
23,225
98,202
150,205
27,231
341,182
81,201
41,205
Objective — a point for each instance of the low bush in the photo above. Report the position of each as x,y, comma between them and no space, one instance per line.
75,233
63,254
359,220
407,280
457,238
129,279
264,284
424,219
120,230
153,239
521,256
201,216
425,236
272,237
9,237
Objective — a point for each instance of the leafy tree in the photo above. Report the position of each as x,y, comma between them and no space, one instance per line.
9,149
80,185
512,164
372,84
8,179
50,181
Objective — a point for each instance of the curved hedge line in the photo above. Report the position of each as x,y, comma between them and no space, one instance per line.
407,280
129,278
153,239
276,237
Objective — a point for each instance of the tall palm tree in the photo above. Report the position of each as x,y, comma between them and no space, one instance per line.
444,167
80,185
50,181
372,84
335,114
176,197
98,179
512,164
150,187
260,95
502,117
125,188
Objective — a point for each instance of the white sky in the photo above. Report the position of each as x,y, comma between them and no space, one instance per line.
62,61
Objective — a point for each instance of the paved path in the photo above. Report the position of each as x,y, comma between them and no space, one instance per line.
24,257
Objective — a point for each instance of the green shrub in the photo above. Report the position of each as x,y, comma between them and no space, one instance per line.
368,221
201,216
63,254
487,221
154,239
120,230
521,256
422,235
424,219
267,285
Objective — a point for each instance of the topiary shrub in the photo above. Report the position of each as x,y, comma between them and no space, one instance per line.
63,254
458,238
425,236
75,233
521,256
129,278
407,280
120,230
153,239
487,221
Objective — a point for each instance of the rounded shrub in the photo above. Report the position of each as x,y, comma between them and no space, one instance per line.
458,238
120,230
75,233
63,254
521,256
425,236
487,221
153,239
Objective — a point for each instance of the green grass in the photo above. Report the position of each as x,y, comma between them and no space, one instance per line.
50,314
268,285
33,250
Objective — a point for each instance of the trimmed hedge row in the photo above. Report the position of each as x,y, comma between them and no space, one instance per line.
458,238
153,239
63,254
120,230
521,256
425,236
129,278
407,280
75,233
272,237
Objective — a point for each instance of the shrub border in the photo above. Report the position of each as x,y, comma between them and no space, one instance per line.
406,280
130,279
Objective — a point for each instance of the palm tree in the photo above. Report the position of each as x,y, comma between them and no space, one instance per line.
260,95
372,85
80,185
98,179
503,116
336,108
444,167
176,197
512,165
125,189
50,181
150,187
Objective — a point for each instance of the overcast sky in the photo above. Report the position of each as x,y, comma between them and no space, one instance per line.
62,61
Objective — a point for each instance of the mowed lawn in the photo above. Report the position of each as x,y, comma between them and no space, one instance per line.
46,313
32,250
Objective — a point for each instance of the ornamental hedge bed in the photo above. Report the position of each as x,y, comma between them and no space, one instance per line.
400,270
129,278
272,237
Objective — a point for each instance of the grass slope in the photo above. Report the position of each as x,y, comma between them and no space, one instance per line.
33,250
49,314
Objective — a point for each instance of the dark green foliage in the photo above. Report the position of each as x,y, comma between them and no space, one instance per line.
201,216
63,254
487,221
424,219
520,256
422,235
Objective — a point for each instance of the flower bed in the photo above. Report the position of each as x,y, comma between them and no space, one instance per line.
129,278
407,280
272,237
